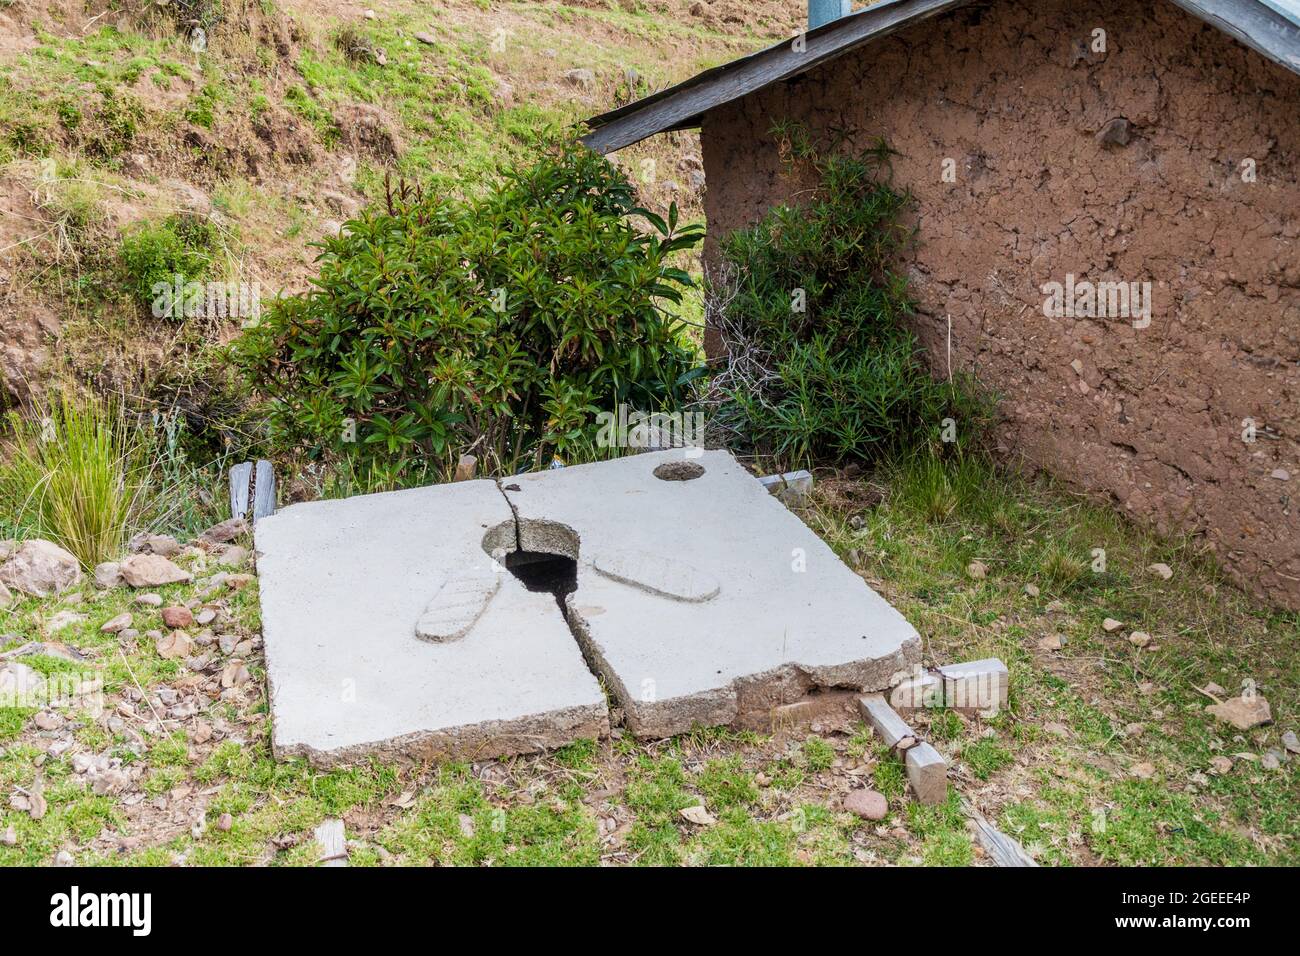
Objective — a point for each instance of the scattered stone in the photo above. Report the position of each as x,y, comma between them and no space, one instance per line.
465,468
1163,570
225,532
426,38
697,815
234,674
108,574
63,858
1291,742
977,570
1051,642
1032,590
40,568
867,804
1281,474
47,720
152,570
174,645
1214,690
1220,765
1139,638
119,623
1110,625
582,78
928,774
149,600
177,617
1134,730
205,616
1272,760
237,582
163,544
233,557
1243,712
9,837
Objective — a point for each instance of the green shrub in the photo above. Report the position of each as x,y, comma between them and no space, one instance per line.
819,363
498,325
76,476
158,252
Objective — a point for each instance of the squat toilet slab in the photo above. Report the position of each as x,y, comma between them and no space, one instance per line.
393,623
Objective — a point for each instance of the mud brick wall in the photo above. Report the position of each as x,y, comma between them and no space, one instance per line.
1124,165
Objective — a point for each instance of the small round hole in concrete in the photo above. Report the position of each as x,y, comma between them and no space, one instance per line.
679,470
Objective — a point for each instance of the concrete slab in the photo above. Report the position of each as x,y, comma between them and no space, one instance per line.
344,586
742,608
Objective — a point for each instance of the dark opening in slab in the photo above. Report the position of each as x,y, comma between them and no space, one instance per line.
542,571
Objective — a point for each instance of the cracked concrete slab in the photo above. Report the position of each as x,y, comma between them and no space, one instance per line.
344,585
740,608
403,624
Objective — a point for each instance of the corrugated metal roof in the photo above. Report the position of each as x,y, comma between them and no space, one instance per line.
1270,27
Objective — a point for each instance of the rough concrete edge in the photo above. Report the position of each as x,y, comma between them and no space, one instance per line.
483,741
721,706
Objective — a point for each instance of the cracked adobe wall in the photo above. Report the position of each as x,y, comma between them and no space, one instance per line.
1010,91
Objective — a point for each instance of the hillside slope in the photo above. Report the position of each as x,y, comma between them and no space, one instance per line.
274,123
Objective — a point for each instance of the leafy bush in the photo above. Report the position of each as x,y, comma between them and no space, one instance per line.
497,325
819,363
158,252
77,476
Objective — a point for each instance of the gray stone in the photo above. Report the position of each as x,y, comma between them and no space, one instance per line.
927,773
1242,712
163,544
108,574
40,568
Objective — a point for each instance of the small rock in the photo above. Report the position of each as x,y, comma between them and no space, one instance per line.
1272,760
63,858
177,617
1220,765
235,674
977,570
1291,742
174,645
1052,642
108,574
1134,730
1243,712
867,804
149,600
1032,590
426,38
465,468
224,533
47,720
1214,689
1110,625
163,544
1139,638
62,619
233,557
697,815
119,623
1116,132
225,822
1163,570
1281,474
206,616
584,79
152,570
9,837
